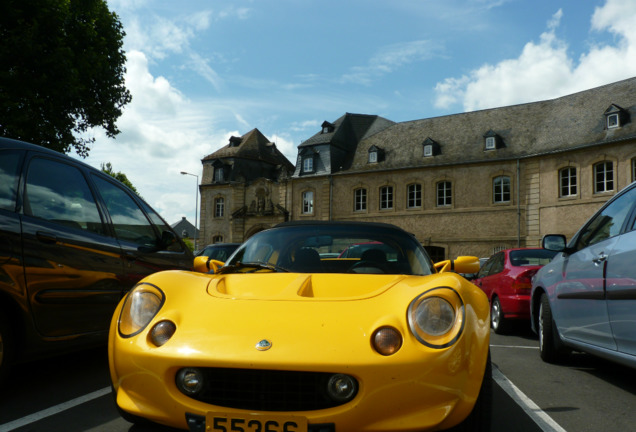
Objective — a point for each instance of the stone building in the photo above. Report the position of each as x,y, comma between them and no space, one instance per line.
243,189
470,183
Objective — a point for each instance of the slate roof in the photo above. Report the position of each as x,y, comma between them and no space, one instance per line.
254,146
565,123
334,150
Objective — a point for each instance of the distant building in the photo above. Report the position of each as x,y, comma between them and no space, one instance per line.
185,229
463,184
243,189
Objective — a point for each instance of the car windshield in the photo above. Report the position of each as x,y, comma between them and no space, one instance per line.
531,257
325,248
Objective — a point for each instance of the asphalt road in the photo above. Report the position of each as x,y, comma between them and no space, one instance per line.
72,393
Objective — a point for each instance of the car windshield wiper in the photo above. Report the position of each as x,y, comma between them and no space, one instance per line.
254,265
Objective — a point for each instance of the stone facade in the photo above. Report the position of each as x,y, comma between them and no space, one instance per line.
243,189
464,184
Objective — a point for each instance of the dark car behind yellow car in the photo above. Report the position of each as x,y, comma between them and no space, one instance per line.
73,241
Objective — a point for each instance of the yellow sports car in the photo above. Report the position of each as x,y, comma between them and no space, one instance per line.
288,336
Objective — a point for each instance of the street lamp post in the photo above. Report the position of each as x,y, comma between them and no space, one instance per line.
196,207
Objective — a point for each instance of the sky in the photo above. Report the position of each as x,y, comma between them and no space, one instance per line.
200,71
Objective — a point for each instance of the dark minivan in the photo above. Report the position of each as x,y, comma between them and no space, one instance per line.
73,240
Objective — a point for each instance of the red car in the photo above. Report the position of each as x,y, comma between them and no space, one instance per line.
506,278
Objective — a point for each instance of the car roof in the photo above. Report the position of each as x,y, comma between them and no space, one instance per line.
13,144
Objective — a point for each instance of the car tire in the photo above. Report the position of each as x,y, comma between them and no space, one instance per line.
498,322
551,348
6,346
479,419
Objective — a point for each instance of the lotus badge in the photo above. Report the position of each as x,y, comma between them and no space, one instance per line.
263,345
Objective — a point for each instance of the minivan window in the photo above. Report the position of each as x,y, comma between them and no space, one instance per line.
9,167
162,226
58,192
609,222
129,221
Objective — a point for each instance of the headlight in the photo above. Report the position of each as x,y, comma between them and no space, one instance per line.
140,307
436,317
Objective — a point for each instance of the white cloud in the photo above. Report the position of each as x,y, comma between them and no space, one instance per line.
162,134
545,70
390,58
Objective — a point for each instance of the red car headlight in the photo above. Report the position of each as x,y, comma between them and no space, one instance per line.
140,307
436,317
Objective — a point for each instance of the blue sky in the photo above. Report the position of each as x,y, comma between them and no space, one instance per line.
201,71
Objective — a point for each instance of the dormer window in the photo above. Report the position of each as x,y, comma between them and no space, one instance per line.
219,171
235,141
616,117
327,127
308,164
376,154
218,174
431,148
613,121
492,141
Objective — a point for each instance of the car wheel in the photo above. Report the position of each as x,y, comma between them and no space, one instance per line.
6,346
497,320
550,346
479,420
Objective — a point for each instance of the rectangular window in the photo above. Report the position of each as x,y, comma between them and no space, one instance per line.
567,178
428,150
360,200
219,207
612,121
308,202
386,198
444,194
490,143
501,189
218,174
603,177
308,164
414,192
373,157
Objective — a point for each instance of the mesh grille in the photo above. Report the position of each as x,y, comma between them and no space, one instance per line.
265,390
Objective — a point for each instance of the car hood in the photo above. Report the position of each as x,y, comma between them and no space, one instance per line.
299,286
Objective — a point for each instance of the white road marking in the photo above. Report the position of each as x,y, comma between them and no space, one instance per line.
514,346
543,420
32,418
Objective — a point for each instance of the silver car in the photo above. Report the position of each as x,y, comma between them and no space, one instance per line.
585,298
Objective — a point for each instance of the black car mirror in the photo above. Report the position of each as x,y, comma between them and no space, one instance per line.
554,242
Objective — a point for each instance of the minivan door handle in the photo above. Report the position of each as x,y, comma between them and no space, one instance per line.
600,258
46,237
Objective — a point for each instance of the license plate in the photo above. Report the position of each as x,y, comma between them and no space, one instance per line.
232,422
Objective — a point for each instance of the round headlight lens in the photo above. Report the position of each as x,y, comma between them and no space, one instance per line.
140,307
190,381
162,332
434,316
342,388
387,341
